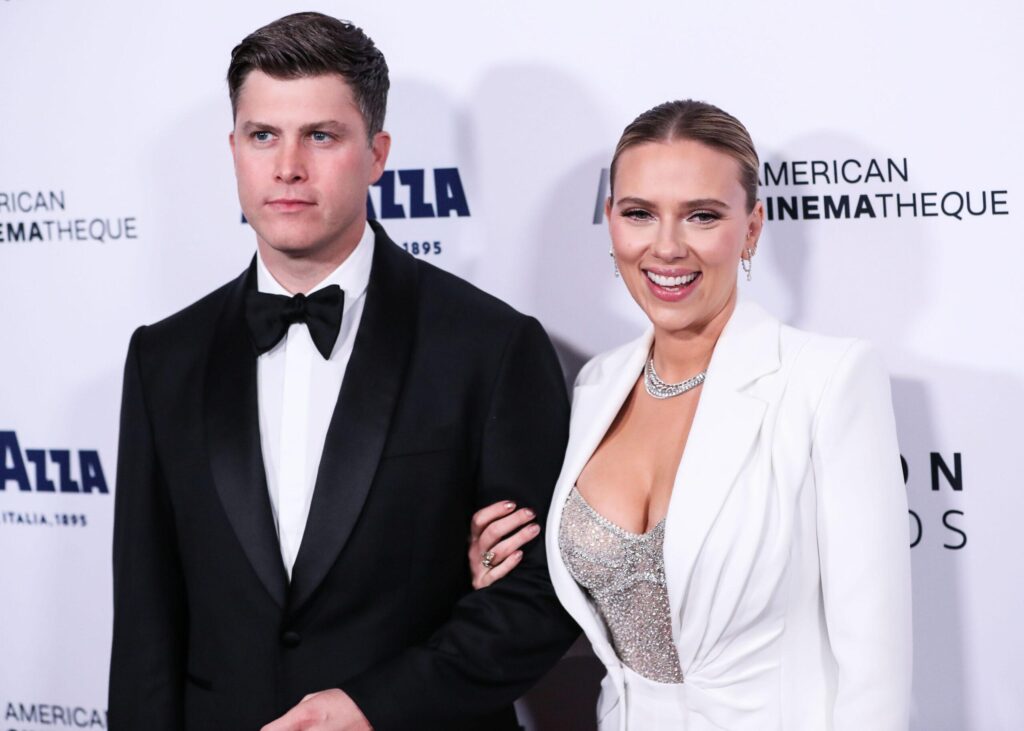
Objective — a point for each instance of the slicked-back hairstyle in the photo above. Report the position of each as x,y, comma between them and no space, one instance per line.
698,121
311,44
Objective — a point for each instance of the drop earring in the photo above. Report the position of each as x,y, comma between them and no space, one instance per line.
746,262
615,263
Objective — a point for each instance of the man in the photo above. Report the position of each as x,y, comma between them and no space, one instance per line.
294,495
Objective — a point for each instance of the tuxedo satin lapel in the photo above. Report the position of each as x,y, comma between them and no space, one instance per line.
232,433
362,416
595,405
724,429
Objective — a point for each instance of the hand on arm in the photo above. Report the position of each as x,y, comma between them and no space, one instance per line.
499,530
328,710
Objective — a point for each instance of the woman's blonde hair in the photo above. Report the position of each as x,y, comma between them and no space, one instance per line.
698,121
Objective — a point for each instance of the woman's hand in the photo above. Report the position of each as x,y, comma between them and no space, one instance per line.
496,535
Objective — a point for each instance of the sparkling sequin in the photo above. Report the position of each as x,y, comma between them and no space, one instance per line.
624,574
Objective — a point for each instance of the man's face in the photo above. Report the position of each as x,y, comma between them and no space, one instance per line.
303,164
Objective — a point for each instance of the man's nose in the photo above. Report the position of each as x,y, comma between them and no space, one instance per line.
291,165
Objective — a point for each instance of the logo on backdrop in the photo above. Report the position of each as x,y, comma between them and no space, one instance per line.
862,190
417,193
42,216
51,714
77,471
936,482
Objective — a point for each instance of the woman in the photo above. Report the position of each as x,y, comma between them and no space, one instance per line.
730,526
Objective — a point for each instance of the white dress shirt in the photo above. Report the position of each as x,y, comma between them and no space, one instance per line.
297,392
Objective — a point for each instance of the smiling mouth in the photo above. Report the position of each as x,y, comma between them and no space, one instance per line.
672,284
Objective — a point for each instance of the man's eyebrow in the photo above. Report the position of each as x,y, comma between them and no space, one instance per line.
328,125
250,126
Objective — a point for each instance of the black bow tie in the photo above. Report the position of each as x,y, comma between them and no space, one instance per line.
270,315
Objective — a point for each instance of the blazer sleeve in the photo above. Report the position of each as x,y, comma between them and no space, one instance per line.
863,545
499,640
147,657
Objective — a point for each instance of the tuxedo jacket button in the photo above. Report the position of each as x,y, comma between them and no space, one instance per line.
291,639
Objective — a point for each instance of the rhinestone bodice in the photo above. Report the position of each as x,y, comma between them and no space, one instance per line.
624,575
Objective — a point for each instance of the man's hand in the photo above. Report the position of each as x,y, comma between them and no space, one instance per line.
328,710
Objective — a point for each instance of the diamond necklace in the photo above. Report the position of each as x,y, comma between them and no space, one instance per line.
661,390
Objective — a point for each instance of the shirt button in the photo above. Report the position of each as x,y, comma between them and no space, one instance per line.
291,639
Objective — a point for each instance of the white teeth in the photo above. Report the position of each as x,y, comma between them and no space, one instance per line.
663,281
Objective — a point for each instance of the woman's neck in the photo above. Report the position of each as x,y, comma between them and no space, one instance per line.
683,354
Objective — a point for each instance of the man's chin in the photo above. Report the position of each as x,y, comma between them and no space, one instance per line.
291,247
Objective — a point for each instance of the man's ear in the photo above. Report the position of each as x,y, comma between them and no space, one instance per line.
379,147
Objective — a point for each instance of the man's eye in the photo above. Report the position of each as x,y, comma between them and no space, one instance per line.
261,136
320,137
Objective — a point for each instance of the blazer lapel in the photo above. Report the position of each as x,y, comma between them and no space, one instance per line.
725,426
362,416
598,399
596,402
231,420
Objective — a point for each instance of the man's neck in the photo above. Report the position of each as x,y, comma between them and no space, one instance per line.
301,273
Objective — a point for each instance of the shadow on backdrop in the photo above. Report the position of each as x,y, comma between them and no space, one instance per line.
838,262
531,158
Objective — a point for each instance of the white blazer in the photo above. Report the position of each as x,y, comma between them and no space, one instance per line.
787,556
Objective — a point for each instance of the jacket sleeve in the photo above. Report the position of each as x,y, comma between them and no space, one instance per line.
147,656
499,640
863,545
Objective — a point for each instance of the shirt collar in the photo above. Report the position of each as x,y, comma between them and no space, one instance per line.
352,275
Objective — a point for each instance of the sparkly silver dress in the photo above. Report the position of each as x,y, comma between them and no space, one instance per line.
623,573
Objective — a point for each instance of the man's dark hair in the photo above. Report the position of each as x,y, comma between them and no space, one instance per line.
311,44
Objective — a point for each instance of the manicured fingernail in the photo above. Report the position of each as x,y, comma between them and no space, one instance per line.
516,556
528,513
510,505
534,529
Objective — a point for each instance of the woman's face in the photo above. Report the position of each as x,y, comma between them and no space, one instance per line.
679,223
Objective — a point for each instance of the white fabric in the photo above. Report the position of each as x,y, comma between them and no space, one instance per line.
786,541
297,393
652,706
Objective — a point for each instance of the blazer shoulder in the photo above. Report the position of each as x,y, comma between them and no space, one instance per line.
609,362
186,328
813,361
483,319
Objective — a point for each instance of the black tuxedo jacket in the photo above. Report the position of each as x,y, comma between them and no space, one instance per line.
451,401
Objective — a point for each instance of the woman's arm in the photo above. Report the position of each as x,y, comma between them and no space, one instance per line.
501,531
863,544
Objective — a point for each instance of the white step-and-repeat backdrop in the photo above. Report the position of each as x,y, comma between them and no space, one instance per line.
893,175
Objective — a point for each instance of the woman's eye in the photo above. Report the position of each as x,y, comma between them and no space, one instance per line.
637,214
703,216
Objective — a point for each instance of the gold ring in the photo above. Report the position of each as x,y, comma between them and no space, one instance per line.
487,559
